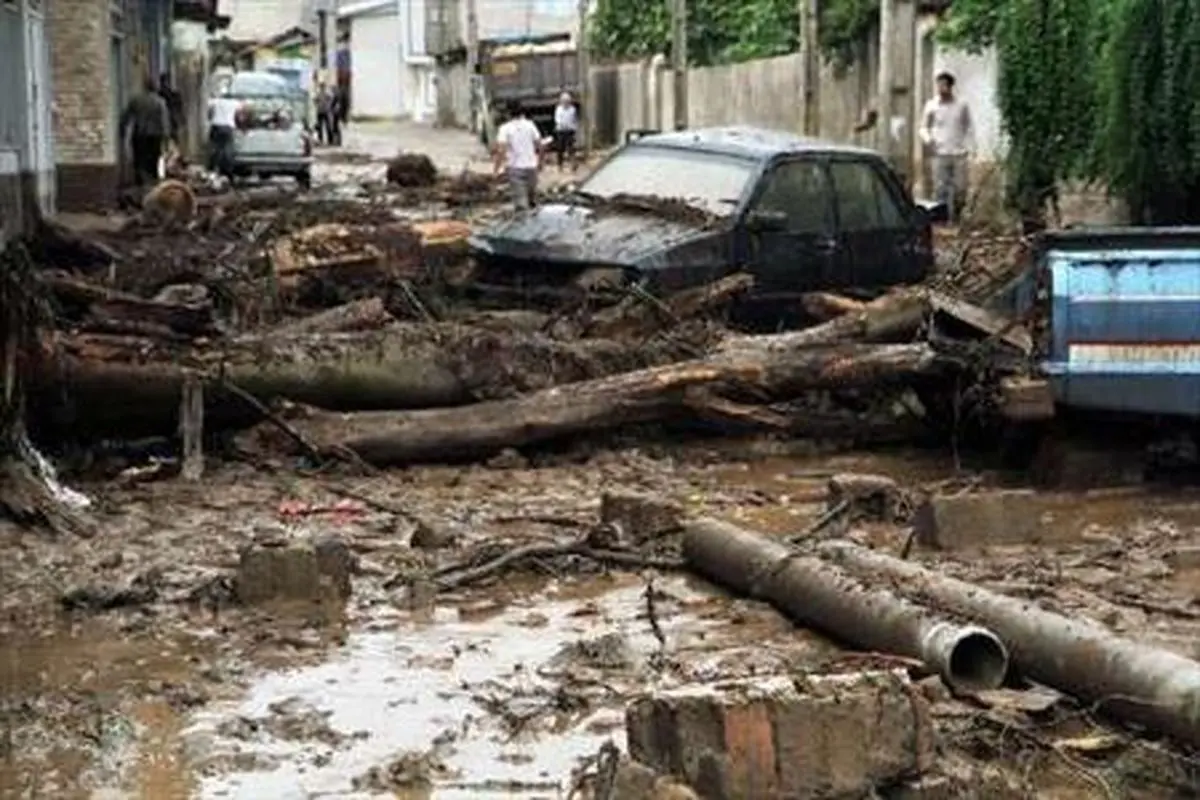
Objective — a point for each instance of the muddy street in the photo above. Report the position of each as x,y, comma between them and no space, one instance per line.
321,523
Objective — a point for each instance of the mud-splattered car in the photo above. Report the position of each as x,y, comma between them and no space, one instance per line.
672,210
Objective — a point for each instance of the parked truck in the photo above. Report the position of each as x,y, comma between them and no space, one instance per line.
531,71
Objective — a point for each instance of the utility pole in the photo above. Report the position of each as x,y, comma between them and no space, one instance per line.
679,61
806,12
475,80
583,52
810,22
883,102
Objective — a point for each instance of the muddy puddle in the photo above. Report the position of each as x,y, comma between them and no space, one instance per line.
473,702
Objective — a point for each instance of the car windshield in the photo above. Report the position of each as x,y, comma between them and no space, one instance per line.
711,182
258,84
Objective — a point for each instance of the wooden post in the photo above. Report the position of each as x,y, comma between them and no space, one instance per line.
191,428
883,102
679,61
474,78
586,112
810,65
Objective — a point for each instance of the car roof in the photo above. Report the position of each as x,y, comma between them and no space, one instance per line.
262,84
747,142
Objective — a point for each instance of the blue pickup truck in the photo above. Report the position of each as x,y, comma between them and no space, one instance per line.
1120,319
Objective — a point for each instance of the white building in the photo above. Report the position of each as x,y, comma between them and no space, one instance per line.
254,20
391,76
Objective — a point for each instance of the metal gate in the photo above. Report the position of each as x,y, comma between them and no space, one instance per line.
39,122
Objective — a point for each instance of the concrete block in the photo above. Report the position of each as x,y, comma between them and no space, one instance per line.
640,517
979,519
827,736
316,570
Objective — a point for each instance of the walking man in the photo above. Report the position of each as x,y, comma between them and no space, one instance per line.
325,114
566,129
222,119
949,133
518,143
148,122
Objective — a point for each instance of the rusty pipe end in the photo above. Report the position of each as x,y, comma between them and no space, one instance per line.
969,659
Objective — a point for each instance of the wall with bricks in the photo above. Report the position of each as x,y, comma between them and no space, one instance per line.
80,49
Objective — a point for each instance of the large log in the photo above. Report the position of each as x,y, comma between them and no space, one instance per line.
390,438
888,318
831,601
111,306
1129,680
360,315
106,385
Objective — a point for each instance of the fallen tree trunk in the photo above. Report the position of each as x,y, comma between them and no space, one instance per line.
1146,685
109,306
359,315
385,438
830,600
390,438
404,366
887,318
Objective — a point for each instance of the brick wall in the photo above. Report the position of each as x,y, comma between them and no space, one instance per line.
84,140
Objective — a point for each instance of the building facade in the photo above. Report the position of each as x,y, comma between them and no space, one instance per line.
27,185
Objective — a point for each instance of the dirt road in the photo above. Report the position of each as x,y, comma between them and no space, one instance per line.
283,628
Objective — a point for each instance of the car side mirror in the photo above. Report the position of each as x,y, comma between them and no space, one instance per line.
933,211
761,220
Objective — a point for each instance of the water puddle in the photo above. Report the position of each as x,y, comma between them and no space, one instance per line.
498,704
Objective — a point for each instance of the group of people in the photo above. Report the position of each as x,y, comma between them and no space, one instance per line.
520,146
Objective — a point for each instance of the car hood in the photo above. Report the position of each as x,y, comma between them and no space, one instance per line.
575,233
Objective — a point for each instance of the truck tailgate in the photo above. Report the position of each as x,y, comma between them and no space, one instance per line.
1124,332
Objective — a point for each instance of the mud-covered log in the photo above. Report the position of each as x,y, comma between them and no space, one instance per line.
111,308
1129,680
360,315
652,394
888,318
389,438
125,386
832,601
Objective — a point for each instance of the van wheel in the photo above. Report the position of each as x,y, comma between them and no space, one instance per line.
304,179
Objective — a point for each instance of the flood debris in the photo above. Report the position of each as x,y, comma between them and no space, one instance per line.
815,593
756,739
316,569
411,170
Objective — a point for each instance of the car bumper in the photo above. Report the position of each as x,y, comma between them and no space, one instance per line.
271,164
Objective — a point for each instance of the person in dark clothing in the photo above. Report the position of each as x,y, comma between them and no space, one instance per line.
174,102
148,122
325,115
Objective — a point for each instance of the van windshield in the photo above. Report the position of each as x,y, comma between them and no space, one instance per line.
711,182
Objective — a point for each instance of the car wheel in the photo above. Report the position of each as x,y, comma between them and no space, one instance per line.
304,179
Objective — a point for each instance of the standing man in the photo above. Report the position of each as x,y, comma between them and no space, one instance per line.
566,129
222,119
518,143
324,115
949,133
148,122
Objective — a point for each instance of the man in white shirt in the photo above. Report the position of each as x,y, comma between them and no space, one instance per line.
566,127
518,146
948,132
222,120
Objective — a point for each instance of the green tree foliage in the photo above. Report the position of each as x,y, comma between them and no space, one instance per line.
719,31
1097,89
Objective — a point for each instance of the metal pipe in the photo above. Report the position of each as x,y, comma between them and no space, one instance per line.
828,599
1146,685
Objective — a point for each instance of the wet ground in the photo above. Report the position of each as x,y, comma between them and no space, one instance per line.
127,669
499,690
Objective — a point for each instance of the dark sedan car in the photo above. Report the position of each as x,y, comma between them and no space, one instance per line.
673,210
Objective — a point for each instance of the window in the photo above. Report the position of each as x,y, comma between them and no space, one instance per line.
708,181
865,202
800,190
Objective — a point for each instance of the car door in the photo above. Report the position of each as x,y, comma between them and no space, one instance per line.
873,224
800,254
